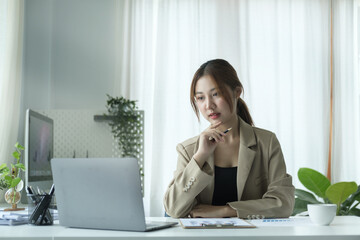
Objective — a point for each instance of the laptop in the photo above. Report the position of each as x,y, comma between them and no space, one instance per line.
101,193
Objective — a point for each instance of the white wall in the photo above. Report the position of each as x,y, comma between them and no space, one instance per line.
69,54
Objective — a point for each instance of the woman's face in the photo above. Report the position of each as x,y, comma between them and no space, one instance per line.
210,103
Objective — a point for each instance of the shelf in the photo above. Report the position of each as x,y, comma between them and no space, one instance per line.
102,118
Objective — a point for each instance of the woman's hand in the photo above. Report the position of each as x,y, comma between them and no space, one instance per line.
210,211
207,146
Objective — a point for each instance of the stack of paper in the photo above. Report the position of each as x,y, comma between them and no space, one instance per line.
13,218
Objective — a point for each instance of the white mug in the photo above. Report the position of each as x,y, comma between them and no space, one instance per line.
322,214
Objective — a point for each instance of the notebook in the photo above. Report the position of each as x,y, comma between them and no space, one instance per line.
101,193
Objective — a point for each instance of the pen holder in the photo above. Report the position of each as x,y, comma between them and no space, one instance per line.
38,209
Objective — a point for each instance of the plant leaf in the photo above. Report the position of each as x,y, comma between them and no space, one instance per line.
355,196
19,146
3,184
355,212
300,206
306,196
8,178
339,192
15,182
4,171
16,155
2,166
314,181
20,165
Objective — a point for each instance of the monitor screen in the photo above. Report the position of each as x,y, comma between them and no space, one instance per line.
39,149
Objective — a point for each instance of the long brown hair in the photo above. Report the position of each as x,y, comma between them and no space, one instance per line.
224,75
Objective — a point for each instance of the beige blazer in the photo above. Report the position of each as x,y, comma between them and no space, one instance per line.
263,186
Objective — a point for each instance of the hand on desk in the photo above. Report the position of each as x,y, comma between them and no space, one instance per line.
210,211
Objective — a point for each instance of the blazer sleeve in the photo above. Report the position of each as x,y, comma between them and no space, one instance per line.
189,180
279,199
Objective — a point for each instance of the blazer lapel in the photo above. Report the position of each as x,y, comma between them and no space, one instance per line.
246,155
207,194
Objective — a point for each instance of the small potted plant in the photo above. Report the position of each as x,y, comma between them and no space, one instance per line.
346,195
10,179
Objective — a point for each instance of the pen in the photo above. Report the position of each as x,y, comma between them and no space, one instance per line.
29,190
52,189
38,190
227,130
31,194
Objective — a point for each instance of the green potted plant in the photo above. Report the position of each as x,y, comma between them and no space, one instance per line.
346,195
10,179
126,125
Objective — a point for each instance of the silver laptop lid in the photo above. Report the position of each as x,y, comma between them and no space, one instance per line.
102,193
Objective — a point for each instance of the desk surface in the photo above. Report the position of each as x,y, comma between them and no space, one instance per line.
346,227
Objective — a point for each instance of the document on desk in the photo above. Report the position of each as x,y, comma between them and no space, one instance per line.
13,218
282,222
214,223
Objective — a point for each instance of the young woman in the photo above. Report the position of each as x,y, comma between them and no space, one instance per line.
232,168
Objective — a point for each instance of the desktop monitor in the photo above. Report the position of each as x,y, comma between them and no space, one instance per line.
39,150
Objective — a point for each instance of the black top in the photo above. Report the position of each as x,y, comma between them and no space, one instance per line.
225,189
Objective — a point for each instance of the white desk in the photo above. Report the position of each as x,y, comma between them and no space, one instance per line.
344,228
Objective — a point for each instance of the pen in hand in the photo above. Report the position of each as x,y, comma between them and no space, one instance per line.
212,139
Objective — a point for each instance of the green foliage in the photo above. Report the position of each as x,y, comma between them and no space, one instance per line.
314,181
306,196
339,192
9,178
125,124
346,195
300,206
4,170
15,182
